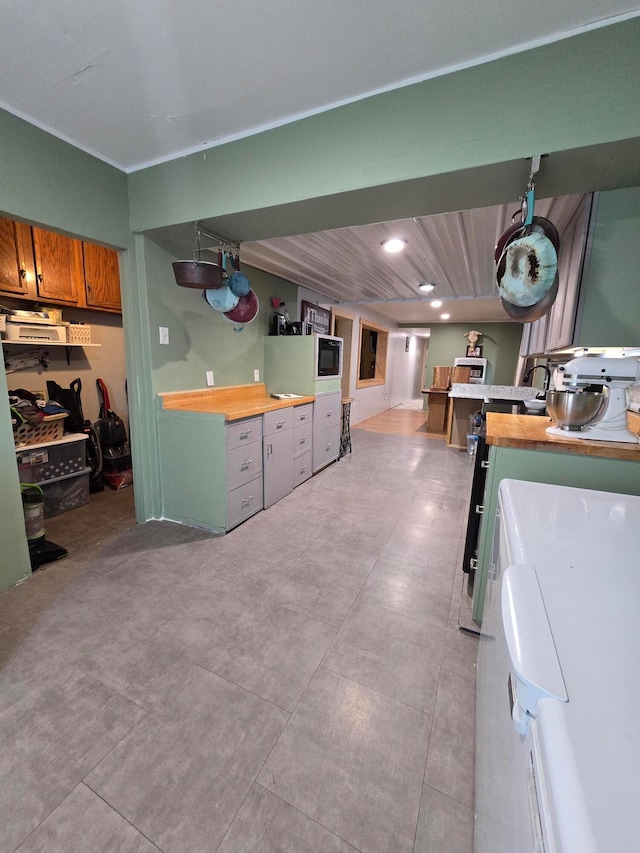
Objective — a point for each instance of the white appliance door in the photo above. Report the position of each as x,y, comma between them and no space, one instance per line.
517,667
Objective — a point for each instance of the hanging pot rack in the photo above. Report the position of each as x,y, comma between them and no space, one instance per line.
220,243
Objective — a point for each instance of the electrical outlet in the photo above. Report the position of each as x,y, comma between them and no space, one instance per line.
256,375
210,377
164,334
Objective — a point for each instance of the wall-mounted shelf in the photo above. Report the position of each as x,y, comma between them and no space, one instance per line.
41,357
45,344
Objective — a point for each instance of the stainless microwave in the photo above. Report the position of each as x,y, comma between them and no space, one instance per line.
328,357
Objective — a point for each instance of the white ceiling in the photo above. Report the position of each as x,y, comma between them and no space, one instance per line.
137,82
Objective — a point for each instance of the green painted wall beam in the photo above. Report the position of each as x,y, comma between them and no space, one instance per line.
584,96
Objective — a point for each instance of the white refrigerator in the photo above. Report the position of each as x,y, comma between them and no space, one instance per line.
558,678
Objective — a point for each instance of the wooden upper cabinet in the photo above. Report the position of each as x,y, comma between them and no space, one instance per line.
16,259
58,267
41,265
101,278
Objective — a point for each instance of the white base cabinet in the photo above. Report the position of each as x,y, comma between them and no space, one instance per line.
277,455
244,470
326,428
302,443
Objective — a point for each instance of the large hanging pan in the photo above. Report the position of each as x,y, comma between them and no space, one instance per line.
533,312
517,229
528,265
527,269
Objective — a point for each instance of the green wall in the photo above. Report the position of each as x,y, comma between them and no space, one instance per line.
585,94
47,182
500,342
200,339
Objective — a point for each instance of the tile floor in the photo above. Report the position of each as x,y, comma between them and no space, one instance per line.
298,685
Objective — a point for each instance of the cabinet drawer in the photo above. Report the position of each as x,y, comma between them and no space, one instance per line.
243,432
277,421
327,410
302,438
243,502
326,445
303,414
302,468
244,463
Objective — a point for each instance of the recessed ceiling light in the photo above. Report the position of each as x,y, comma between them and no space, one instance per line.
436,303
394,245
445,316
427,287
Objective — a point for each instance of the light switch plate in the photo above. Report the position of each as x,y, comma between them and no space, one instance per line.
256,375
210,377
164,334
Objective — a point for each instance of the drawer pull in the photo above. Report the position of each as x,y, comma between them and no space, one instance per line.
247,501
245,434
280,424
246,464
301,418
303,440
329,413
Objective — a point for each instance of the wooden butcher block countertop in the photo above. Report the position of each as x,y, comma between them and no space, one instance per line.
528,432
234,402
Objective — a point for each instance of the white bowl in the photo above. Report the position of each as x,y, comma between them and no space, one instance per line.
535,405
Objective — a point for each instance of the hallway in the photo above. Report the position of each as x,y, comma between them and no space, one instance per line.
300,684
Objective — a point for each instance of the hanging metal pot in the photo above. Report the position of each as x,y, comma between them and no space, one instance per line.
517,229
246,310
527,269
528,314
198,273
528,264
221,298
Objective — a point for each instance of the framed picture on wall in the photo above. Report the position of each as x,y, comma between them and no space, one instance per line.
474,352
319,318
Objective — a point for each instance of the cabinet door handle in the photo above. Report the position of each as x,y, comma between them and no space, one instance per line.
247,501
329,413
479,509
269,449
23,272
245,465
303,468
303,440
245,434
484,463
328,447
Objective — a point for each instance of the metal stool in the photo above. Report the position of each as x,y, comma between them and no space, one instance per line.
345,434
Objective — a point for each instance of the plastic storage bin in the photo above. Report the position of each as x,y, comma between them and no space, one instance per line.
52,459
65,493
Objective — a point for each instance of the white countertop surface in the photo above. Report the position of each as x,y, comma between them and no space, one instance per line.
492,392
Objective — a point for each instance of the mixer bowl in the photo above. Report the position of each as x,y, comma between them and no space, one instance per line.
574,409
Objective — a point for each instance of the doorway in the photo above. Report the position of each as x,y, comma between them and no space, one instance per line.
343,328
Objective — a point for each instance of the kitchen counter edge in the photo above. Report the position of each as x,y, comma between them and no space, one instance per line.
233,402
528,432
